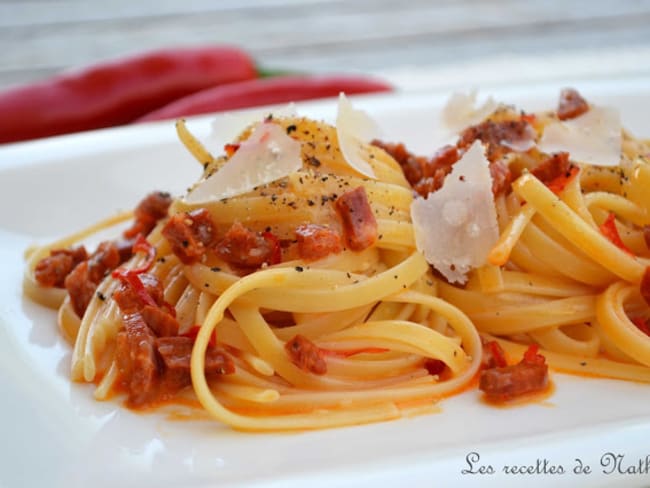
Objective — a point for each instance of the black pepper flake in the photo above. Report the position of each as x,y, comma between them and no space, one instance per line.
348,275
324,178
207,285
455,353
395,276
380,237
274,197
205,165
101,296
313,161
216,269
461,177
291,128
583,363
268,228
161,260
299,269
185,243
311,203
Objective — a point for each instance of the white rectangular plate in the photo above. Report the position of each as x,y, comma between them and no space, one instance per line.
54,434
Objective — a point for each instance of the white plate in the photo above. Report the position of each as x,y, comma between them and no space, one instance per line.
53,433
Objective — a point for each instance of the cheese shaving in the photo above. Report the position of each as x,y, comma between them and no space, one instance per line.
353,129
269,154
456,226
593,138
462,110
227,126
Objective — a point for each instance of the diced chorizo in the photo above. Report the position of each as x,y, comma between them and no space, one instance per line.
443,159
137,360
359,222
130,301
552,167
52,270
512,381
160,321
190,234
493,355
503,383
80,288
244,248
317,241
149,210
105,258
645,285
306,355
497,136
176,354
571,104
434,366
411,165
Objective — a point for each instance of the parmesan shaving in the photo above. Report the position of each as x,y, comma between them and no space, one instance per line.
456,226
226,127
267,155
462,111
594,137
353,129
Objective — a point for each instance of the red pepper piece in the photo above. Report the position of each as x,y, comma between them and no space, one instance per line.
497,357
117,92
609,230
532,356
276,253
266,91
141,245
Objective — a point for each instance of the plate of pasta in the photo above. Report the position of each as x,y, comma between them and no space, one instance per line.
423,287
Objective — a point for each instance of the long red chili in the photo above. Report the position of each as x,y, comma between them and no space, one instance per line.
116,92
266,91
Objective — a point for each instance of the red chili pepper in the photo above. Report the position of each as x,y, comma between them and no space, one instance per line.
609,230
642,325
131,277
231,149
116,92
531,355
558,184
266,91
140,245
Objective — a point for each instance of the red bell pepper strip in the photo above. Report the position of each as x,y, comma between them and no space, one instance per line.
116,92
266,91
609,230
